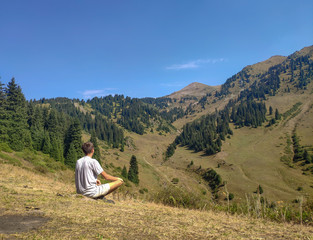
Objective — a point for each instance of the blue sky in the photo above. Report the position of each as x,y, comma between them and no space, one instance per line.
81,49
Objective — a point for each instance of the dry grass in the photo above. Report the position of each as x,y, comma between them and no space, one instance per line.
75,217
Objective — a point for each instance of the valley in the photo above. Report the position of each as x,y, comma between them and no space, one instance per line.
250,138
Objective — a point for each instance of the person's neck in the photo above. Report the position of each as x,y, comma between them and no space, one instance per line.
89,155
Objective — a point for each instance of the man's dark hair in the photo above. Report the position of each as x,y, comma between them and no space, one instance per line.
87,147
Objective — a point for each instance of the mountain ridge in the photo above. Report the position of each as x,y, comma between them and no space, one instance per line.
193,89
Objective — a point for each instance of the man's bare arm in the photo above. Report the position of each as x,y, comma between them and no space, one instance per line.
110,178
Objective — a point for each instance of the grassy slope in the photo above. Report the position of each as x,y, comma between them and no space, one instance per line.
250,157
74,217
253,156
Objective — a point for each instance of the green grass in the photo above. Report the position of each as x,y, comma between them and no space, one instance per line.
42,162
292,111
5,147
11,160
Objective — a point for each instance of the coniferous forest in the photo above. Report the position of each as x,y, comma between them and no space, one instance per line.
52,126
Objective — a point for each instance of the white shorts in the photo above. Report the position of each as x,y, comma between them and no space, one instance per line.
102,190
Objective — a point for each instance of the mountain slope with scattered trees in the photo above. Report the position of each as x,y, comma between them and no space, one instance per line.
223,143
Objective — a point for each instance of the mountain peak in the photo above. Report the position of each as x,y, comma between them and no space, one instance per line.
195,85
193,89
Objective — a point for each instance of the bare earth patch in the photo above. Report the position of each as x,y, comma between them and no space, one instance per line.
16,223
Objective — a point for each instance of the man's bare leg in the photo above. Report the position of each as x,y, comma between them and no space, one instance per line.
114,185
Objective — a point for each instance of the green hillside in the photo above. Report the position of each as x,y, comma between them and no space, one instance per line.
262,154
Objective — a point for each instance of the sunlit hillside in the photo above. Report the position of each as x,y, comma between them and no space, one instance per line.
37,206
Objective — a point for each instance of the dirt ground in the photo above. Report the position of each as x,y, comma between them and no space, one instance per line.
18,223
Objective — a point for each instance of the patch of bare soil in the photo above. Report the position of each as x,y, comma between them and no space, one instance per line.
10,224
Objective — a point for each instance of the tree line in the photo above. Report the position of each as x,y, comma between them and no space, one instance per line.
131,113
205,134
105,129
51,126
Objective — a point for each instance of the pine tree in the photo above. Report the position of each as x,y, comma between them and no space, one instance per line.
270,110
94,140
30,113
52,123
17,118
124,172
122,147
3,121
259,190
277,115
73,137
170,150
133,170
37,129
56,149
46,147
71,156
306,156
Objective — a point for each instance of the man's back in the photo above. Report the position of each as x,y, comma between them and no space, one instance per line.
87,170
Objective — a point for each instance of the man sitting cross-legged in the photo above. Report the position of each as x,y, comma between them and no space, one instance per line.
87,170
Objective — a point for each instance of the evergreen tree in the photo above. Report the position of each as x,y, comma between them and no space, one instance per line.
277,115
3,118
94,140
30,113
270,110
71,156
170,150
212,178
306,156
133,170
17,118
124,172
297,149
52,123
46,147
259,190
73,137
56,151
37,129
122,147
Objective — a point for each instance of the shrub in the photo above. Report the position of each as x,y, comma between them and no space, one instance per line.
213,178
176,197
11,160
231,196
5,147
175,180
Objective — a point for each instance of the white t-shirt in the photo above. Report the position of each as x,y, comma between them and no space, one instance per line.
87,170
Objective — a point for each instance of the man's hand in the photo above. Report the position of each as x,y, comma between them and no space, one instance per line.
120,179
98,182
